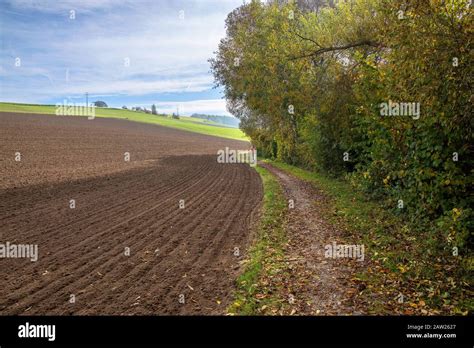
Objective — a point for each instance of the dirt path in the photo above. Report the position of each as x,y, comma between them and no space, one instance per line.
317,285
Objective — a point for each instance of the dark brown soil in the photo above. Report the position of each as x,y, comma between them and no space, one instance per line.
120,205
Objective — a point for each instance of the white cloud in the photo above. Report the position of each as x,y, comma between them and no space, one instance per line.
166,54
58,6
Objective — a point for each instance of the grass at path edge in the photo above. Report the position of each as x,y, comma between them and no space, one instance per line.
267,248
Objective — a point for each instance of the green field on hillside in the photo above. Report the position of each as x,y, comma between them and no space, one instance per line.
184,123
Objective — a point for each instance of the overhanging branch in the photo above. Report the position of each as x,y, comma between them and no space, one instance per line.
322,50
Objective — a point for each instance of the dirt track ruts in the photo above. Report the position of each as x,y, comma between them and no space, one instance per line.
120,205
319,285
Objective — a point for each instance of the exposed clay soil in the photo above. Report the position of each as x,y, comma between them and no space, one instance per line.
120,205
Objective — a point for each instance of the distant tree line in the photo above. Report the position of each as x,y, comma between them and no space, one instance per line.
152,111
224,120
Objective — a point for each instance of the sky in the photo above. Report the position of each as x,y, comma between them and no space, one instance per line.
124,52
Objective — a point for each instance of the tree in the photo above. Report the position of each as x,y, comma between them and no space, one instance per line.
124,107
100,104
153,109
307,86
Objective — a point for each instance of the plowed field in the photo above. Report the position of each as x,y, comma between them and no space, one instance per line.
127,247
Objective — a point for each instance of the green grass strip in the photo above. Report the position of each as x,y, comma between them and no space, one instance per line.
265,252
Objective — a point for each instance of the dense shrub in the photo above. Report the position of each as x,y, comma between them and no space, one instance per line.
308,87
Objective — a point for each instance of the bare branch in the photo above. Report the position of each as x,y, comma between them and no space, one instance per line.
306,38
338,48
